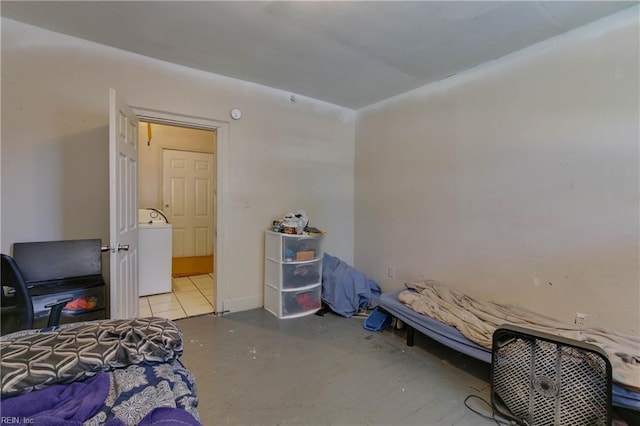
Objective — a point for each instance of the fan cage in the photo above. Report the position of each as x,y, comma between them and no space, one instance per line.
541,379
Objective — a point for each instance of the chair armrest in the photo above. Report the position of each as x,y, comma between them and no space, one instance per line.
56,310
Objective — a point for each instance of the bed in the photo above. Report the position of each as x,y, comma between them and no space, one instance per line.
448,335
107,372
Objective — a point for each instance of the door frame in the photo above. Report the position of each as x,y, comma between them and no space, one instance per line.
222,187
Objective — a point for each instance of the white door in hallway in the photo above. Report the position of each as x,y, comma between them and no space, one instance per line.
188,194
123,208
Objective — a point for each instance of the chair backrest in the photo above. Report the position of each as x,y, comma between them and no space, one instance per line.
17,308
44,261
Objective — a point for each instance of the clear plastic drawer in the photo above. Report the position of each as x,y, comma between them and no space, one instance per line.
290,304
84,300
293,248
293,275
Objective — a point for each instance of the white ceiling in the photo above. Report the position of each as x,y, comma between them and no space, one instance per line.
348,53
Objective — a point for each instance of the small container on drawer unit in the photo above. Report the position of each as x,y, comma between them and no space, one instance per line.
292,303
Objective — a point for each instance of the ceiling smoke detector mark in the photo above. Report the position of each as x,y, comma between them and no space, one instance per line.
236,114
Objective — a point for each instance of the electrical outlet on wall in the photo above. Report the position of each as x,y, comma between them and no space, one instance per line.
391,271
581,319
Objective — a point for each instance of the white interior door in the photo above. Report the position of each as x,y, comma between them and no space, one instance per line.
188,199
123,208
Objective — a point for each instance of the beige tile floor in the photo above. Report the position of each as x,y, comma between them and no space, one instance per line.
190,296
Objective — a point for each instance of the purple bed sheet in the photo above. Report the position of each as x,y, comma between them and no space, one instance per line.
451,337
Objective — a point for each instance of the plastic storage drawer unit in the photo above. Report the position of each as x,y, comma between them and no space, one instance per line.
292,274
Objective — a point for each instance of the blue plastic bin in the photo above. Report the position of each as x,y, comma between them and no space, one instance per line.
377,320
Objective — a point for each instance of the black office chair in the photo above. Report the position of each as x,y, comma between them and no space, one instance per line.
16,305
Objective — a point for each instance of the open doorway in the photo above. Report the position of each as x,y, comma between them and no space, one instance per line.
177,176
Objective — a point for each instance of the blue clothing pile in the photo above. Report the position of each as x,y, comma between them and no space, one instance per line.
345,290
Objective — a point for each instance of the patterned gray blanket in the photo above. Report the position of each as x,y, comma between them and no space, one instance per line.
34,359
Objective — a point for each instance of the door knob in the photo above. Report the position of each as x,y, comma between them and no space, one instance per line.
123,247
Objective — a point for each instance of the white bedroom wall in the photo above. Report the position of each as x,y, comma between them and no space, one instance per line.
517,181
282,156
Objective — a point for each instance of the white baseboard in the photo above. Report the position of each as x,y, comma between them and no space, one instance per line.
243,304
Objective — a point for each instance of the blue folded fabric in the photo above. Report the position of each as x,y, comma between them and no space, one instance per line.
346,290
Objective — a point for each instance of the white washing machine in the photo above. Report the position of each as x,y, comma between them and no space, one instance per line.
154,252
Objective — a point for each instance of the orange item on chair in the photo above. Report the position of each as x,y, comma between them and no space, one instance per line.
84,302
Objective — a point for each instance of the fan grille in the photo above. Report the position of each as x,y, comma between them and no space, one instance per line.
550,383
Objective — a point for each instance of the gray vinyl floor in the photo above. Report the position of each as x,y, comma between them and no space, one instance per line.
253,369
